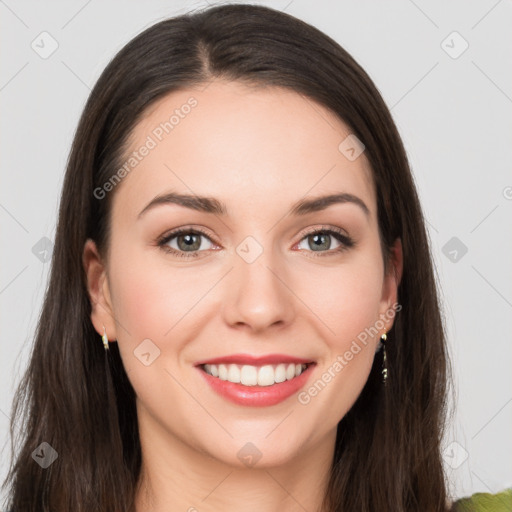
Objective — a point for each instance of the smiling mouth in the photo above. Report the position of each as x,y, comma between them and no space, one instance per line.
249,375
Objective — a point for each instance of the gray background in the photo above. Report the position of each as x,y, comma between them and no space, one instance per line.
453,110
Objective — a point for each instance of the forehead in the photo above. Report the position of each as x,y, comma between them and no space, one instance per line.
241,144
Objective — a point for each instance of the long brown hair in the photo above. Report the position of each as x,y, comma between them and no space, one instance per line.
79,400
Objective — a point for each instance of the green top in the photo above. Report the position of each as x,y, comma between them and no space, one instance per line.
485,502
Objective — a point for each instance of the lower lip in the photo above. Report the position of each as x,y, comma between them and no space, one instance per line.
257,396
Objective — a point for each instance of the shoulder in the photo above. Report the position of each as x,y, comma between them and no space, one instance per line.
485,502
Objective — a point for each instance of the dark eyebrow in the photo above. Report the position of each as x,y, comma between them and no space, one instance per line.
305,206
212,205
201,204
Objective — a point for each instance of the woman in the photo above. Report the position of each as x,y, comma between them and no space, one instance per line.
242,311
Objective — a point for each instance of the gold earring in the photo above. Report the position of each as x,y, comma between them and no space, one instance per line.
384,359
105,339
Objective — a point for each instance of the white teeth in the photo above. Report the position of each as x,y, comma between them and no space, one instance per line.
233,373
280,373
266,376
249,375
223,372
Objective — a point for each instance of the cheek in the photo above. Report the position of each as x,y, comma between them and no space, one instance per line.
150,300
153,304
348,303
346,298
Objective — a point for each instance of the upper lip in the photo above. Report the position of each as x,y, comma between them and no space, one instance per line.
255,360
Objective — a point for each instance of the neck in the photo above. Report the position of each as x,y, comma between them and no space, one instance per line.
175,476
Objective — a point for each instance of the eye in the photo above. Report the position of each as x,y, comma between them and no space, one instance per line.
319,241
185,242
188,242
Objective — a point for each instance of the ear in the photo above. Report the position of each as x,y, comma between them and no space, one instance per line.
102,314
390,286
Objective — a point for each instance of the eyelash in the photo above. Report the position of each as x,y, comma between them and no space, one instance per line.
345,240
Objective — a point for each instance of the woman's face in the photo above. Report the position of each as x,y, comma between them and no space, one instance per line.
251,280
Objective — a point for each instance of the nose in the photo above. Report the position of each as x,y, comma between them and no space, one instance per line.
257,295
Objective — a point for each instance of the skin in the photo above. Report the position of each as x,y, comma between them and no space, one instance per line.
258,151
